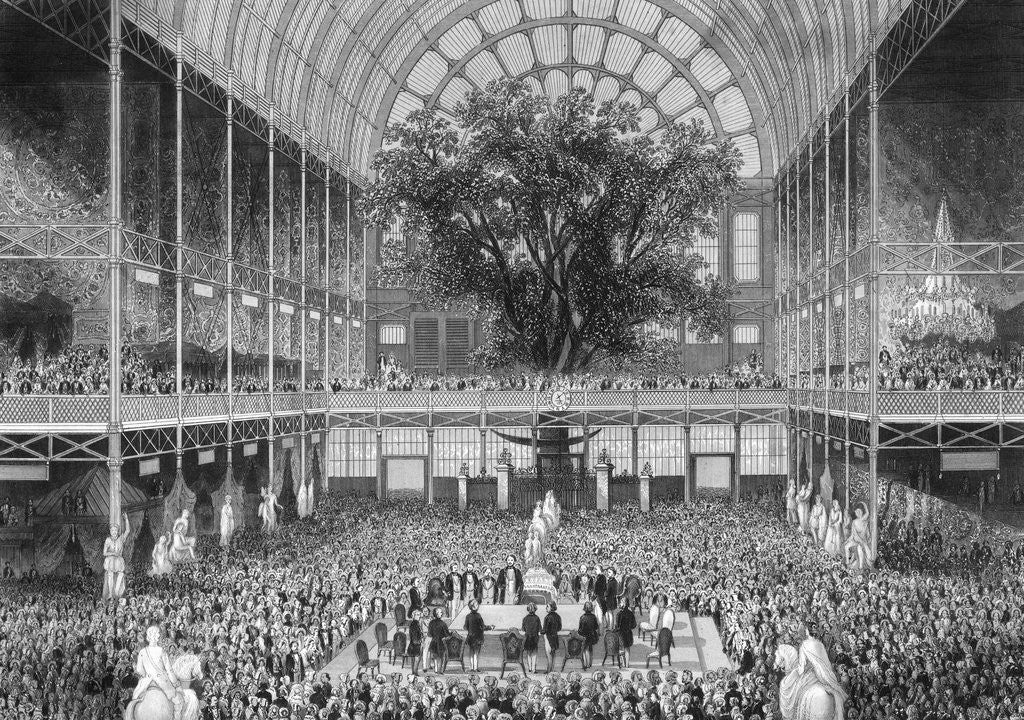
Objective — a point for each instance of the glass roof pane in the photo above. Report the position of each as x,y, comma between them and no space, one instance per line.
551,43
648,120
679,38
499,16
556,83
607,88
622,53
751,154
539,9
405,104
427,73
632,97
401,45
732,109
652,72
535,85
700,115
600,9
455,92
515,52
676,96
583,79
461,39
709,70
483,68
588,43
639,15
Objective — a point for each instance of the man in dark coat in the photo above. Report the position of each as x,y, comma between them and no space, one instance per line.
471,587
611,598
509,578
590,629
552,626
600,588
625,623
475,629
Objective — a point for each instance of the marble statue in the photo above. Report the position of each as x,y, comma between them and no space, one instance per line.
809,689
163,691
791,514
227,522
183,547
161,558
552,509
819,521
268,509
835,538
803,507
113,560
858,543
533,550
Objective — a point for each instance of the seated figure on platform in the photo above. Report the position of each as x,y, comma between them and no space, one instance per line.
183,548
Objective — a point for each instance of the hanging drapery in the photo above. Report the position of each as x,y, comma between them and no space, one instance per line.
277,477
825,486
179,498
232,488
297,478
51,543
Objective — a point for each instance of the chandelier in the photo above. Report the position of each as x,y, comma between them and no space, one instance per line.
944,305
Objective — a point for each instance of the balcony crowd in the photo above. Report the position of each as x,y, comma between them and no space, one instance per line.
934,632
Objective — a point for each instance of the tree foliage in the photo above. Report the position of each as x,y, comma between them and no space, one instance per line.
562,228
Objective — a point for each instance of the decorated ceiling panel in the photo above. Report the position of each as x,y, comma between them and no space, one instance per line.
758,71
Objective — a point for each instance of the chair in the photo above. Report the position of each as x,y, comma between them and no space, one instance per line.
400,644
649,626
400,618
454,646
573,649
612,648
512,650
662,649
436,596
380,631
363,656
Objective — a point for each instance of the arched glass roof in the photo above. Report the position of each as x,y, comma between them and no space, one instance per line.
758,71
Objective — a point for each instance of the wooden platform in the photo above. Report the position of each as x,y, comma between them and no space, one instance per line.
697,645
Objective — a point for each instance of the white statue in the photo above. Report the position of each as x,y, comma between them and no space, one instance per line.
227,522
834,535
540,523
791,514
809,689
161,560
858,543
268,509
552,509
533,550
113,560
163,692
819,521
803,507
183,547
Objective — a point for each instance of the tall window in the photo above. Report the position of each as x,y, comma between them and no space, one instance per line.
746,244
392,335
746,334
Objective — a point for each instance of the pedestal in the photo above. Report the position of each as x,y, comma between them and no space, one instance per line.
539,586
645,493
604,474
463,492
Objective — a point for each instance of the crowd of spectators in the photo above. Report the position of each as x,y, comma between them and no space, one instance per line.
391,376
934,632
945,365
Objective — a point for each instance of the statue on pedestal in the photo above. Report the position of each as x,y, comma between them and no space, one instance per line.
791,514
113,560
227,522
858,544
268,509
183,547
533,550
552,509
161,559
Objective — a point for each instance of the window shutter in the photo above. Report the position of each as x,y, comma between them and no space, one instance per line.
426,348
456,338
